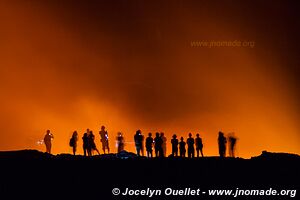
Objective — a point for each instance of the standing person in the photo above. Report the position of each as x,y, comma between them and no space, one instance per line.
142,144
92,144
120,142
138,140
73,142
85,141
182,147
222,144
48,141
232,143
164,144
149,145
158,146
191,150
104,139
174,143
199,145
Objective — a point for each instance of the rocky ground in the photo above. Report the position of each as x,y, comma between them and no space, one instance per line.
31,174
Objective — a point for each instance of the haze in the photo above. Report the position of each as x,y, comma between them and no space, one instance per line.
129,65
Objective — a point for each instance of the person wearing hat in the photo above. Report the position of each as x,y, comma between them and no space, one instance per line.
174,143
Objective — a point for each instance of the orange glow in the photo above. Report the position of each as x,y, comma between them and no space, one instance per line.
66,71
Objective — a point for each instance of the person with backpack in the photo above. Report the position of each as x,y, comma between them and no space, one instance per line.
73,142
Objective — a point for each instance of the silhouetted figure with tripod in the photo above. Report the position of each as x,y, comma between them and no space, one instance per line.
48,141
73,142
174,143
199,145
191,150
104,139
222,144
149,145
182,147
158,142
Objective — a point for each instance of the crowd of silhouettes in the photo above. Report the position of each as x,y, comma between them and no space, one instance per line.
158,143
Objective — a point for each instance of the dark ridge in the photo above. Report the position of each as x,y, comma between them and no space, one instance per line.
25,154
33,174
276,156
35,154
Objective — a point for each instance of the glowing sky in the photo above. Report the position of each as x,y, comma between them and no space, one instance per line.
129,65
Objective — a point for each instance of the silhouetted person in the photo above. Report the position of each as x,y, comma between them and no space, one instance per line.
142,145
138,140
48,141
73,142
182,147
104,139
85,141
199,145
164,144
149,145
222,144
174,143
120,142
232,143
92,145
158,142
191,150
